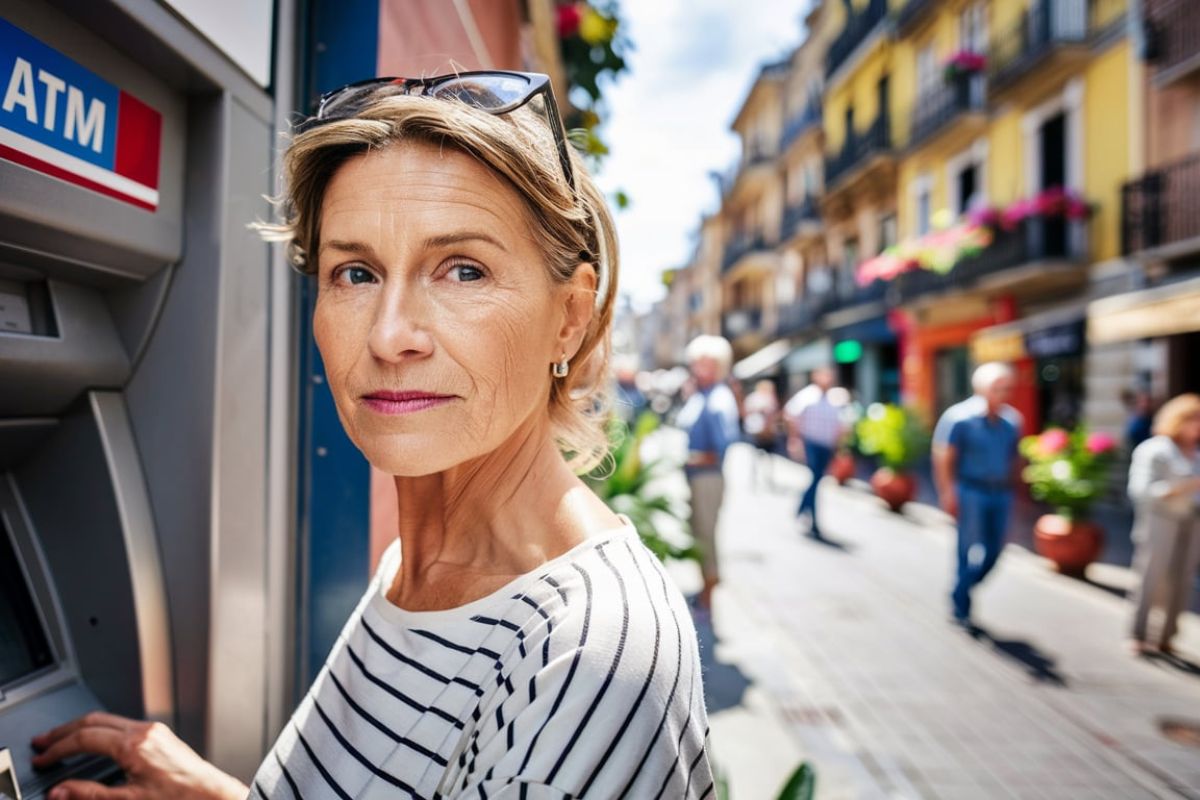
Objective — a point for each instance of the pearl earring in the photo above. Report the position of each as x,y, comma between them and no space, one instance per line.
562,368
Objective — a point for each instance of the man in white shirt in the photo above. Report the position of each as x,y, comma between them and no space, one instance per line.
816,414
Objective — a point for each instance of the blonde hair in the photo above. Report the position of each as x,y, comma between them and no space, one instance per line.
571,226
1174,413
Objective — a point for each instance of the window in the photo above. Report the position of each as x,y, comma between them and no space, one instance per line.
927,72
968,187
810,179
923,204
972,30
888,232
849,266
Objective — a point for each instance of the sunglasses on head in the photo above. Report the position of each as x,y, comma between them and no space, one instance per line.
496,92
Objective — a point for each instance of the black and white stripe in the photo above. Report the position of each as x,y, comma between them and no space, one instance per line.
579,680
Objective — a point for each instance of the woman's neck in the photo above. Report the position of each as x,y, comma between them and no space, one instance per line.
469,530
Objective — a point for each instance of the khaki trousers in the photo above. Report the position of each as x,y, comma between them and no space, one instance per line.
1166,560
708,492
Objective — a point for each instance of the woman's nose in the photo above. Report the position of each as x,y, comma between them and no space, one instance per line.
400,331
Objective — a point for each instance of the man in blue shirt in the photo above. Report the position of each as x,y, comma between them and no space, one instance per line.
975,463
710,417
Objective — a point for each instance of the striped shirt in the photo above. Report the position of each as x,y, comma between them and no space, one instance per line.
580,679
818,419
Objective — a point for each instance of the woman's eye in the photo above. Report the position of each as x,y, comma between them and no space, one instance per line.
466,273
355,275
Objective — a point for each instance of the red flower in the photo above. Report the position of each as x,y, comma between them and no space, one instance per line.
1099,443
569,17
1053,441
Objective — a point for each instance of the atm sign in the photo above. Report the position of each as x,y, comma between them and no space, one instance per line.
61,119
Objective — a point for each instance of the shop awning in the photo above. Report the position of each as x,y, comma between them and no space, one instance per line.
1161,311
807,357
1054,333
762,360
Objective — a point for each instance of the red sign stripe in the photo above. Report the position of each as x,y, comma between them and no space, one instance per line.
139,135
26,160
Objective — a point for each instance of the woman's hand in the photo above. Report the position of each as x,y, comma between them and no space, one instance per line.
156,762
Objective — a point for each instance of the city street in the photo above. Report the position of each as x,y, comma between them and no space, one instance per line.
843,655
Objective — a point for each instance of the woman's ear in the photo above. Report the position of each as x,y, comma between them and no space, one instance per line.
579,303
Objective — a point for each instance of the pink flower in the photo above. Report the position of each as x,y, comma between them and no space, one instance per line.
1099,443
1053,441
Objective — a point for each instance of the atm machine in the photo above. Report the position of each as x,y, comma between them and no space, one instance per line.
146,338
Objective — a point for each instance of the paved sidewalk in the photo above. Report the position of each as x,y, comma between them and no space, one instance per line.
844,656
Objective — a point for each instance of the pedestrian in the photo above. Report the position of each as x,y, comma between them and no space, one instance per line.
816,420
630,402
1164,485
975,468
761,421
710,418
465,270
1139,407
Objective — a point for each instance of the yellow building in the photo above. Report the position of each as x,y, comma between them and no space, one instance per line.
1020,107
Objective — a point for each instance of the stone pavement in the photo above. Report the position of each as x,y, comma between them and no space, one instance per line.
844,655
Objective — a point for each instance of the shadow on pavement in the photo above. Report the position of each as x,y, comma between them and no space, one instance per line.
1176,662
724,684
1037,665
832,544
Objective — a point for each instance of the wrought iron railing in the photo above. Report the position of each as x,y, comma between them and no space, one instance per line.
740,322
1172,33
858,27
809,117
936,108
1035,239
799,213
738,247
803,315
857,148
850,294
1046,26
1162,207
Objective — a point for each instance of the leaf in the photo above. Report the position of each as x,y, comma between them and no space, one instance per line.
801,785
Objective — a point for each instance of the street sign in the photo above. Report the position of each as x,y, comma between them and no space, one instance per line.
63,120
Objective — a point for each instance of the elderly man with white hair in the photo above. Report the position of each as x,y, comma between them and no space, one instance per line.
710,417
975,465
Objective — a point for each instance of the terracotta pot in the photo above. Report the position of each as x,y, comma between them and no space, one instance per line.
894,488
1070,544
841,467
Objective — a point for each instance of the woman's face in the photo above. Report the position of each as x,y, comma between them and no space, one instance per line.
435,315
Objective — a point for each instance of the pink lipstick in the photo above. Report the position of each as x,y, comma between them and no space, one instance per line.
387,402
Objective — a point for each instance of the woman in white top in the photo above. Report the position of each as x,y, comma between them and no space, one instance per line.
1164,485
518,640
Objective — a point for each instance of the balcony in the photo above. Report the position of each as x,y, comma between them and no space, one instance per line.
1160,211
806,120
802,316
858,149
1172,39
740,322
935,110
1039,254
1050,39
858,27
739,247
802,217
849,295
911,15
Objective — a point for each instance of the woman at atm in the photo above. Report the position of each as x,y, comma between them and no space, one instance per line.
517,639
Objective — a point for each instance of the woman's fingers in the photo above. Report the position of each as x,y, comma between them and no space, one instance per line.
94,719
89,790
102,741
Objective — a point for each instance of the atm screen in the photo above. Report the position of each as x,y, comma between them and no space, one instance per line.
23,644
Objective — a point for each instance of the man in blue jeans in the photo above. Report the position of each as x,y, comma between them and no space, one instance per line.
815,416
975,463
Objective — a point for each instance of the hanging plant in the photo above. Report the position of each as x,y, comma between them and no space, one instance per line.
963,64
593,51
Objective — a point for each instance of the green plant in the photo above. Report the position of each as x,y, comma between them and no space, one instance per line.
1068,469
801,785
892,434
593,46
626,484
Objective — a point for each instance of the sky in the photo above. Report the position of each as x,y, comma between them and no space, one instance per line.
669,115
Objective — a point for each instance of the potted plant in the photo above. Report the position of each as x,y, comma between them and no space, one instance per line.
626,483
962,65
843,465
897,439
1068,470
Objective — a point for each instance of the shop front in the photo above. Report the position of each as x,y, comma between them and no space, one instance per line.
867,357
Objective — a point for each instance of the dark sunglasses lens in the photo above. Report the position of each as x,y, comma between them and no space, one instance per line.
489,92
352,99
